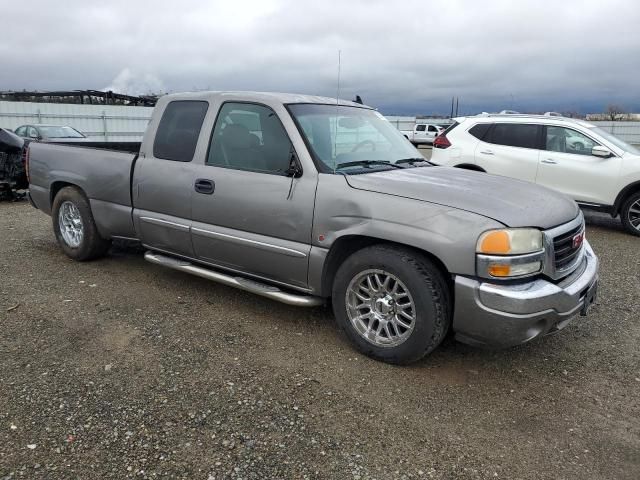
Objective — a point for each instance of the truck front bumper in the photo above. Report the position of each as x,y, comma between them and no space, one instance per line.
498,315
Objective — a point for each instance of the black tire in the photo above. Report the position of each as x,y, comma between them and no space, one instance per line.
427,286
92,244
627,214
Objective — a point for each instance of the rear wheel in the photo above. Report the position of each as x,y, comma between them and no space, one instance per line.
630,214
392,303
74,226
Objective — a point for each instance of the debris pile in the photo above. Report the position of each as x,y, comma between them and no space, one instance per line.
13,175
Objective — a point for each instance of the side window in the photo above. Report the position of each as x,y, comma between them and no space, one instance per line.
480,130
421,128
33,133
566,140
514,135
20,131
179,129
249,137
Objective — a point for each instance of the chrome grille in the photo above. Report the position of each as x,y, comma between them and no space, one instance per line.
562,257
564,251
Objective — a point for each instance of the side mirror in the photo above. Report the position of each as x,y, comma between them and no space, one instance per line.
598,151
294,170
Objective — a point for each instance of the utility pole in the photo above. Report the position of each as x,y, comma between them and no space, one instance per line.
457,99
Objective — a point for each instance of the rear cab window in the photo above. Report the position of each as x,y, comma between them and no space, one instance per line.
179,129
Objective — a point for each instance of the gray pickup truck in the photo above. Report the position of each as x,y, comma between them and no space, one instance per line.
301,199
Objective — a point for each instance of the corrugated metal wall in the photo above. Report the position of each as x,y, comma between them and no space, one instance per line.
127,124
98,122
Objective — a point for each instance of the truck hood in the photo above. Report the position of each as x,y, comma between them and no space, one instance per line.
513,203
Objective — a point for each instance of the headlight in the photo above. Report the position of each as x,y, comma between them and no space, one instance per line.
510,253
515,241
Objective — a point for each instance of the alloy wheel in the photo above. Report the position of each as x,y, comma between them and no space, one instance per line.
380,308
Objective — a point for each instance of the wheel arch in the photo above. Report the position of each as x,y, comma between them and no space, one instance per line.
59,185
347,245
471,166
624,193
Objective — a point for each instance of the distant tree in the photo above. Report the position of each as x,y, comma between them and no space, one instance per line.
615,112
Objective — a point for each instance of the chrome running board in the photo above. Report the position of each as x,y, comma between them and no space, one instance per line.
245,284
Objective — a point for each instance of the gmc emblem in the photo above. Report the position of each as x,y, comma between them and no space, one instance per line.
578,239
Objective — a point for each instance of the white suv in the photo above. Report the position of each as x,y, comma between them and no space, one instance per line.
577,158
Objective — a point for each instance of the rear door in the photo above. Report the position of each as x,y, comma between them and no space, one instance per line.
164,179
432,132
567,165
511,150
254,218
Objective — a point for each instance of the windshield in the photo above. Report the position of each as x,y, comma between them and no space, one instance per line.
59,132
352,139
616,141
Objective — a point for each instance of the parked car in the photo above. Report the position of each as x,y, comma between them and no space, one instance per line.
422,134
574,157
289,197
50,133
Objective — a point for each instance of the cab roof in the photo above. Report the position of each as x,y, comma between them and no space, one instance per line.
266,97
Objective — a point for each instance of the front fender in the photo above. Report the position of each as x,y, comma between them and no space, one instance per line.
447,233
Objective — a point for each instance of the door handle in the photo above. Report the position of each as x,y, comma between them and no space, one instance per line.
486,152
549,161
204,186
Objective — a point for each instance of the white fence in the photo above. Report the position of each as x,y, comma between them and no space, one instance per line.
627,131
108,123
407,123
127,124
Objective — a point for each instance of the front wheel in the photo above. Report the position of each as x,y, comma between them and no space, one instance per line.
74,226
392,303
630,214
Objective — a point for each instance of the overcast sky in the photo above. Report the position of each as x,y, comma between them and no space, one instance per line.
400,56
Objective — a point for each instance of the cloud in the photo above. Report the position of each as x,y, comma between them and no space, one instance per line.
403,57
131,83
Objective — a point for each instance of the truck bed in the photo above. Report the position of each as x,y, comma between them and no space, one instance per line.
130,147
103,175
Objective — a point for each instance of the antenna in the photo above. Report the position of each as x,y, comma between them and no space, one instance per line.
335,133
338,92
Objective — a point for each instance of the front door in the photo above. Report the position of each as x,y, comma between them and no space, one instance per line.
567,165
253,216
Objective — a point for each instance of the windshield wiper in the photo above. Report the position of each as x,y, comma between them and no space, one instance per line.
367,164
414,161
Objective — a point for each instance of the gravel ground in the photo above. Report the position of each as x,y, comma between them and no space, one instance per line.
122,369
